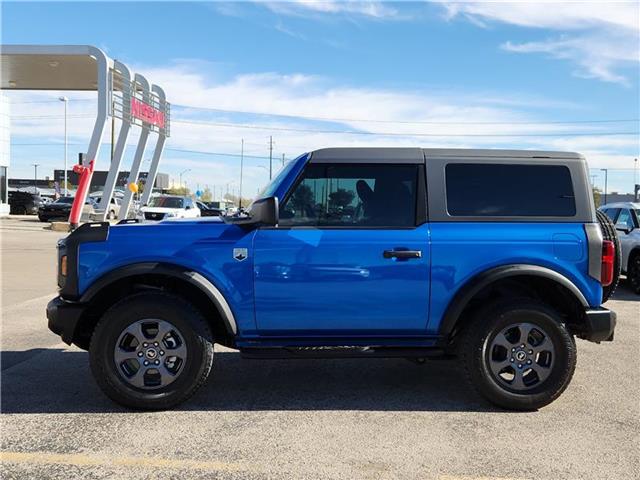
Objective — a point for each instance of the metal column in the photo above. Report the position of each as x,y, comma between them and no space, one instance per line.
142,143
157,153
123,135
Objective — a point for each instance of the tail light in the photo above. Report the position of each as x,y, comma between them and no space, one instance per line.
608,258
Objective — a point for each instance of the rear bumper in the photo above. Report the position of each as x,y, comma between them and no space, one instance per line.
600,324
63,318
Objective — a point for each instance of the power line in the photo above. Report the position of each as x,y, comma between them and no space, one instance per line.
398,134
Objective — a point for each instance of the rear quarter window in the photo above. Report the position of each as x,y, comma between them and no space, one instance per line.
503,190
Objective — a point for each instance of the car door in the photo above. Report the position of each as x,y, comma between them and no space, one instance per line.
350,255
627,233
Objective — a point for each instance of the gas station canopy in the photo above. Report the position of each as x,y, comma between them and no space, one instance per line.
121,94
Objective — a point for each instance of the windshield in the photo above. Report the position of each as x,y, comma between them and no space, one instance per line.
167,202
271,187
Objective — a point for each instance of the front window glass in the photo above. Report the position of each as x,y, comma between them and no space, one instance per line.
353,195
64,200
624,219
167,202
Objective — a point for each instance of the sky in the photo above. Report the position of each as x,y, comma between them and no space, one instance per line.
312,74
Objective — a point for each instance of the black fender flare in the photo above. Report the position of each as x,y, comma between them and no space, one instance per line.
482,280
171,270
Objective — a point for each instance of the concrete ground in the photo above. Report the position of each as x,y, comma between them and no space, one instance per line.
373,419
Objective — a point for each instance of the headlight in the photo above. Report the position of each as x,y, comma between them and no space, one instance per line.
171,214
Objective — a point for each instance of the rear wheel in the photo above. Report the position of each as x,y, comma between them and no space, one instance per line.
151,351
518,354
633,271
609,233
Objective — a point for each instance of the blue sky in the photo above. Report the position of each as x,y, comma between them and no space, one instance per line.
476,74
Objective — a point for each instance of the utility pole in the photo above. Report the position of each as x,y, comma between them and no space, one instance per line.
65,100
283,159
35,178
636,186
606,174
241,165
270,156
184,171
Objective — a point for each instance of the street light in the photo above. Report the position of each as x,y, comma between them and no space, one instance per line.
606,173
181,173
65,100
35,178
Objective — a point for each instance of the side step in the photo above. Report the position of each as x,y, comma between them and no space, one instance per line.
340,352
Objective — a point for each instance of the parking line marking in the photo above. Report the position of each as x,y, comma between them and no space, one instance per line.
82,460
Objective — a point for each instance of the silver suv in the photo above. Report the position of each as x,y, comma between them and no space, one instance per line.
626,216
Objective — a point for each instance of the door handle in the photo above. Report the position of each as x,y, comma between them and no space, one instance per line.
404,254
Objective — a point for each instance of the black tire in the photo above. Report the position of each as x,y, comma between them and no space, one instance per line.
42,219
485,329
609,233
633,271
193,331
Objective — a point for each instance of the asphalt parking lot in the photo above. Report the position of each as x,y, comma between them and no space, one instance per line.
373,419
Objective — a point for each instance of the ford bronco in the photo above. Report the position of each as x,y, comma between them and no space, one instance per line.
495,257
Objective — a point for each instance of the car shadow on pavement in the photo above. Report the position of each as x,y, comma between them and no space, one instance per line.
59,381
624,292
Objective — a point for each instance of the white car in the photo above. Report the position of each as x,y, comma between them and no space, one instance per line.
168,206
626,216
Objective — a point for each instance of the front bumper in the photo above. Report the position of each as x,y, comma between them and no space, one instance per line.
600,324
63,318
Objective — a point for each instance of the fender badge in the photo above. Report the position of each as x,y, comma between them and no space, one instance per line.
240,254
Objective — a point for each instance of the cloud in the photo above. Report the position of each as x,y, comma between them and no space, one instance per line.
604,37
363,8
294,101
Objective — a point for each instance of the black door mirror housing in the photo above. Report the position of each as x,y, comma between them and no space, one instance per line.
262,212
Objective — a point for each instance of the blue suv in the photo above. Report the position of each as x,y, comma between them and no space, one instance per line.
494,257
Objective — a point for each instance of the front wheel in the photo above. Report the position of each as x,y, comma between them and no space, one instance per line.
518,354
151,351
633,272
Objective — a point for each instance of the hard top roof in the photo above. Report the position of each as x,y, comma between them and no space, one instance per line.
417,155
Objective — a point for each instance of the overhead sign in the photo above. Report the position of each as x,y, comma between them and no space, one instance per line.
146,113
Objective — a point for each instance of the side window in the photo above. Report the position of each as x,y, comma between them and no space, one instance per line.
612,213
358,195
508,190
624,219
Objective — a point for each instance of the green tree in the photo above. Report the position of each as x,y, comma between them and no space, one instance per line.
206,196
302,198
597,196
341,198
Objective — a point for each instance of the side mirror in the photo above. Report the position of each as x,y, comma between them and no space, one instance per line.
624,228
261,212
188,207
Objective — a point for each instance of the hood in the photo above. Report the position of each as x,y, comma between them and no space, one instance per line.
161,210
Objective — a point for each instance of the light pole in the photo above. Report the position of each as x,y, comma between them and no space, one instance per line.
35,177
606,174
241,165
181,173
65,100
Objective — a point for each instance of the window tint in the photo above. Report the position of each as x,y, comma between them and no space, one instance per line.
624,219
611,213
497,190
353,195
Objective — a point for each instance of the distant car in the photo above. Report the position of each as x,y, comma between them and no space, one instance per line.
626,217
114,208
169,206
24,203
61,208
207,211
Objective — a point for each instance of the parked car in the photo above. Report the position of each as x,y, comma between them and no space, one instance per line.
61,208
114,208
207,211
626,217
24,203
339,256
168,206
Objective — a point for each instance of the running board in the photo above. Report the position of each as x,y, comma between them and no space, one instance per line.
340,352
